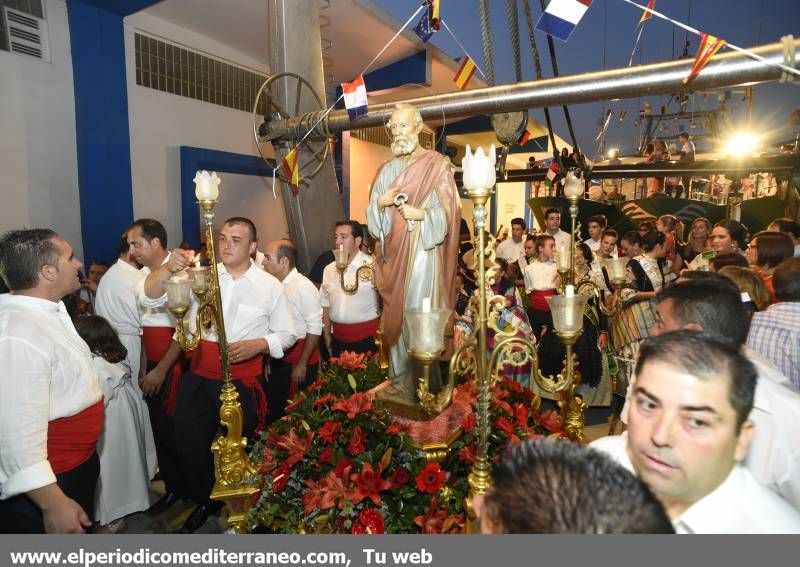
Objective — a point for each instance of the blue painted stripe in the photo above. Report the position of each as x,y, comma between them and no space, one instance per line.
101,127
194,159
409,70
555,26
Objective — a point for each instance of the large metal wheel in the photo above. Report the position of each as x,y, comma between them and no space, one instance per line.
312,152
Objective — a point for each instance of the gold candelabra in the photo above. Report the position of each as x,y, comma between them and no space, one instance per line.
235,474
364,273
471,357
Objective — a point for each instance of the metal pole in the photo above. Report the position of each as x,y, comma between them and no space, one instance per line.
725,70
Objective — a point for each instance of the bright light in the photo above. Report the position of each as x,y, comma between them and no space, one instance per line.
612,153
742,144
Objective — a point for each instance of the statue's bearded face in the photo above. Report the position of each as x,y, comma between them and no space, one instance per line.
404,131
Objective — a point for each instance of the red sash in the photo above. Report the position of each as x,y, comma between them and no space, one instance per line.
207,363
539,297
73,440
354,332
156,343
293,354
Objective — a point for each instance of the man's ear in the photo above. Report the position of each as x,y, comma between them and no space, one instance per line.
253,248
48,272
743,440
693,327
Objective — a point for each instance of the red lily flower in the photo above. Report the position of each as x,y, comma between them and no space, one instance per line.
295,445
350,360
354,405
468,423
356,444
369,484
504,425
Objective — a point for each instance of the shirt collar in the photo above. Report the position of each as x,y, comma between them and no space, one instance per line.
30,303
248,275
712,505
290,276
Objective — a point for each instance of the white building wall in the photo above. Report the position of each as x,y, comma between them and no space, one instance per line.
38,156
161,122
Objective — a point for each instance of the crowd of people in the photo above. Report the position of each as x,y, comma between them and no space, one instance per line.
110,397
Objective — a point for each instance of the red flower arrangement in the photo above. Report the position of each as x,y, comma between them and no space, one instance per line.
339,463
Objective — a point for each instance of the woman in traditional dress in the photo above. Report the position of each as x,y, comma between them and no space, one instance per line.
632,324
699,241
727,236
672,228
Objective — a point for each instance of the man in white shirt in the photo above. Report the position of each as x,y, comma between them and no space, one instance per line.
552,221
298,367
595,224
714,305
349,320
688,431
163,359
512,249
51,404
117,303
258,321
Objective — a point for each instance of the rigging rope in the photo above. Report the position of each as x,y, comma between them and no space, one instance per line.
512,15
486,39
538,66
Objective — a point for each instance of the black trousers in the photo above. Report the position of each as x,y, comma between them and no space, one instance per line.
358,347
163,426
197,424
280,383
19,515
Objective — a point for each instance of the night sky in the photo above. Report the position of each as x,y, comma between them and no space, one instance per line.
604,40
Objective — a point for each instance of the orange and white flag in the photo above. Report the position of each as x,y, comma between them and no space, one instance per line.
465,73
709,45
291,169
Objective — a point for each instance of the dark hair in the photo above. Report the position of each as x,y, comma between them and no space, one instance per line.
246,222
786,280
355,227
653,238
684,135
286,250
706,357
519,222
23,253
599,219
122,246
737,231
787,226
101,338
647,225
772,248
633,237
557,487
649,148
713,302
609,232
728,259
541,239
585,251
550,211
151,229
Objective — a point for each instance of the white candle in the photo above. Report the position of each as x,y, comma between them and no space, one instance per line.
426,305
570,291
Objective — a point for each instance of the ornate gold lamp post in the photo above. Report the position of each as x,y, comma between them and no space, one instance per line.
426,328
233,471
479,179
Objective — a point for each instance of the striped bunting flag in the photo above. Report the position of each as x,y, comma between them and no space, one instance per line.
561,17
465,72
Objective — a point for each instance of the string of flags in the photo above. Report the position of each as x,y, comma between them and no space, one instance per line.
354,94
645,16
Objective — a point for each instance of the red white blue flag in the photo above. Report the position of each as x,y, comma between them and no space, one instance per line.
561,17
355,97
